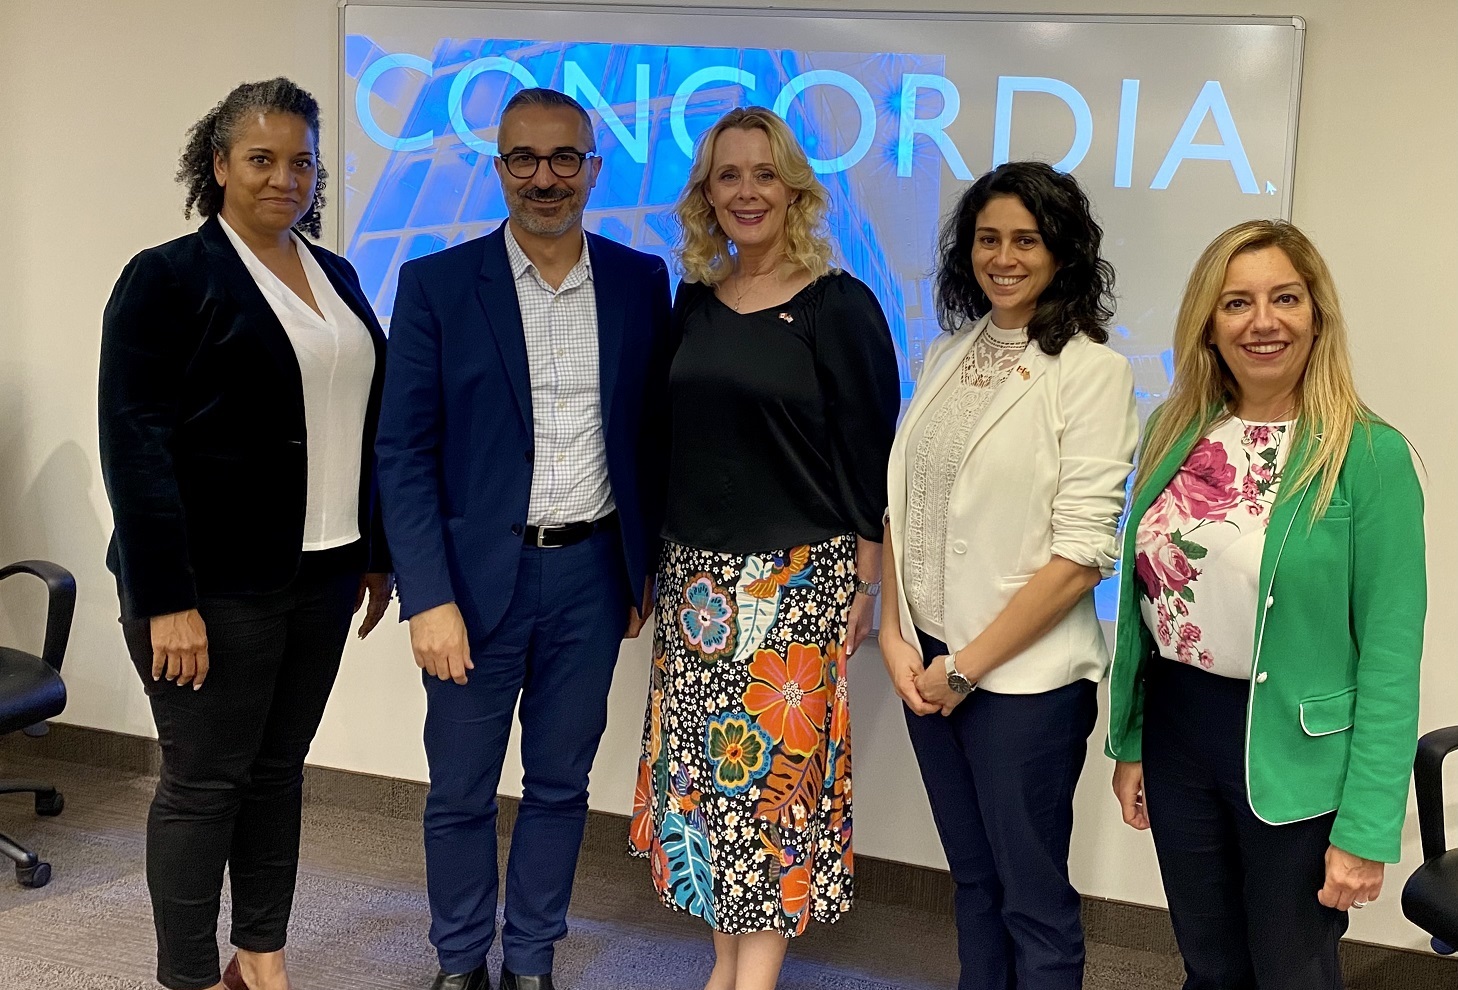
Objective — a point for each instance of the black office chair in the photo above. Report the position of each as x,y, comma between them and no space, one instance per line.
1430,898
31,691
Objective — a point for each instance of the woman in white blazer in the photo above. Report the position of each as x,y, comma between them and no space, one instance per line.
1006,483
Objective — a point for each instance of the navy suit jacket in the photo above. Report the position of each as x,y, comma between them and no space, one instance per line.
455,443
202,428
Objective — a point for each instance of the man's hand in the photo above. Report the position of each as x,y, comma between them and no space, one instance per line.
638,617
1351,881
438,640
903,664
1129,789
180,648
932,683
381,588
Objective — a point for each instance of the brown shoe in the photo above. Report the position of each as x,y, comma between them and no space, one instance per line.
233,976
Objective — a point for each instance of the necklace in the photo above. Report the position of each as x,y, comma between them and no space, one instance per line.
739,285
1282,419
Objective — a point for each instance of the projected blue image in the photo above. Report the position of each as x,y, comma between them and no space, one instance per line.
882,130
438,187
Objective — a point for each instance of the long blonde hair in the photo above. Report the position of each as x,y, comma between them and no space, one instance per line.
703,250
1204,391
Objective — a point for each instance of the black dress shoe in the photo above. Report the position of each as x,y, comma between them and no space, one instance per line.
476,979
510,981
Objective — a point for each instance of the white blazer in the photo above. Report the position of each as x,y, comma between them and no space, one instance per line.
1044,474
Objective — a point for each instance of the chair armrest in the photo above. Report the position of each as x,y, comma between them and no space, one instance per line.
61,589
1427,772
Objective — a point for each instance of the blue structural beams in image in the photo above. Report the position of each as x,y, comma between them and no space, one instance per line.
437,189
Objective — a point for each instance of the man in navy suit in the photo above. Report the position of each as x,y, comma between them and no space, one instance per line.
521,453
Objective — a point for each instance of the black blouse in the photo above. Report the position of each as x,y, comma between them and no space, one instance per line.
782,418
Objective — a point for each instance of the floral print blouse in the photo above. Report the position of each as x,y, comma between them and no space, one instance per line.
1198,548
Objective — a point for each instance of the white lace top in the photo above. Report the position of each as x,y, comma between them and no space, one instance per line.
939,441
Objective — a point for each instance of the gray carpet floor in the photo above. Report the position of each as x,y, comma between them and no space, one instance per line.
360,916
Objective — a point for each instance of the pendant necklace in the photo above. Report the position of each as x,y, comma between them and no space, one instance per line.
739,280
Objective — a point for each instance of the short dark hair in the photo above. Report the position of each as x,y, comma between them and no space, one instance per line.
1080,299
217,131
539,97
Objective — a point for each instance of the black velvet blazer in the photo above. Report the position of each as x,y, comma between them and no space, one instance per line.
203,446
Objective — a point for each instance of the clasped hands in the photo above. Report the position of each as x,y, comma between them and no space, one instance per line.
922,687
1350,882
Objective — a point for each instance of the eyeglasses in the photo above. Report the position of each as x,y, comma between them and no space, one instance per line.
564,164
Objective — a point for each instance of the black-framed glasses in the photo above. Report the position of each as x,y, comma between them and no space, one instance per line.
564,164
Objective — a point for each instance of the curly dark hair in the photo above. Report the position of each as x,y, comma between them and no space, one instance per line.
1080,299
217,131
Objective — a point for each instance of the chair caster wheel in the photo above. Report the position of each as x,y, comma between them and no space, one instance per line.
33,876
50,806
1443,948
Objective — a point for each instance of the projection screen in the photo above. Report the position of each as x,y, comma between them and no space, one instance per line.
1177,127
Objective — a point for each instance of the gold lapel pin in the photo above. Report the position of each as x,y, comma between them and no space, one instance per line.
787,318
1024,372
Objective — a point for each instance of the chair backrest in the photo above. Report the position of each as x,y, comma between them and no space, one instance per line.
1427,773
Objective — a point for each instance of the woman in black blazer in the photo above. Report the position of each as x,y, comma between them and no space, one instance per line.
240,386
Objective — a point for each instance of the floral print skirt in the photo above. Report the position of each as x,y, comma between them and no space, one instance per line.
743,799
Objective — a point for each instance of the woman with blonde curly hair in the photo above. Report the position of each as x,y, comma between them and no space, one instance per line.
1264,689
784,393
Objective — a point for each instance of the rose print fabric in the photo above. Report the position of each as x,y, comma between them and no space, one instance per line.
1198,548
743,799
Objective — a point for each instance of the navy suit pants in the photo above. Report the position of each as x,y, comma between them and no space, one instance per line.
1000,772
551,660
1241,892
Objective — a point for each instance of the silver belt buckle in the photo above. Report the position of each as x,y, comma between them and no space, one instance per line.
541,537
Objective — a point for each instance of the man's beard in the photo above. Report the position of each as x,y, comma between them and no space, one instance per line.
518,204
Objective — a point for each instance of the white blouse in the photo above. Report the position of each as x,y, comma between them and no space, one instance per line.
939,440
336,363
1198,549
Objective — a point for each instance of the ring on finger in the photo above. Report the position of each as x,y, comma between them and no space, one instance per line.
1359,904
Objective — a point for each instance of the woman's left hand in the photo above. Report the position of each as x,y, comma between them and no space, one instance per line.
1351,881
381,588
932,683
858,623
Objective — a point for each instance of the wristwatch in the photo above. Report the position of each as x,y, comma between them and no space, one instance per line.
955,680
872,588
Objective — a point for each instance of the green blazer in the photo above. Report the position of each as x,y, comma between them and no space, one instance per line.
1331,724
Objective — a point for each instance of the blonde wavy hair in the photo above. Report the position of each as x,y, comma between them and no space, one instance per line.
703,251
1204,392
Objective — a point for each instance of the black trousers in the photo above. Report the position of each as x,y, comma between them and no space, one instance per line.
233,763
1241,892
1000,772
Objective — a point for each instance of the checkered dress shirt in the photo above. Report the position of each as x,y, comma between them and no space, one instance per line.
569,468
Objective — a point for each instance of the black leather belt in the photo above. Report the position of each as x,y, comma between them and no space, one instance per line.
547,537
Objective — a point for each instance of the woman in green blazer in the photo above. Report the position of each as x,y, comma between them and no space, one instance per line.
1264,688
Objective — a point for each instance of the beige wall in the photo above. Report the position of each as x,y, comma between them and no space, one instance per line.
96,97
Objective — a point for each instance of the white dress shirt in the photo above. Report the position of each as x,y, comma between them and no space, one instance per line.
336,363
569,468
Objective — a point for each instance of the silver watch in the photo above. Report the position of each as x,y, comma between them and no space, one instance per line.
872,588
955,680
